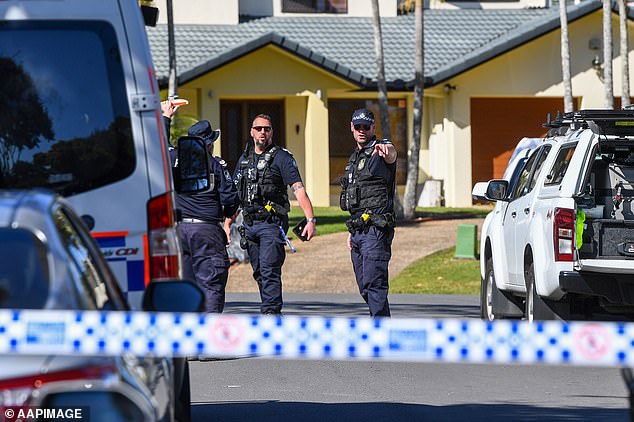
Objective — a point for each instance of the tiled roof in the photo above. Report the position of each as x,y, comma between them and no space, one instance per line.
455,40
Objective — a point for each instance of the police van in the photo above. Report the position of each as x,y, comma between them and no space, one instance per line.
81,115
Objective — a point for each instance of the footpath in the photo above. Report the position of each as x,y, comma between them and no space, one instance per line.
323,264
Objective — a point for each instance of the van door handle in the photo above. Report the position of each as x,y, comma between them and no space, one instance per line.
527,210
514,214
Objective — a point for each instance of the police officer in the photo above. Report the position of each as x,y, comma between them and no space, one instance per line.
368,194
201,233
262,175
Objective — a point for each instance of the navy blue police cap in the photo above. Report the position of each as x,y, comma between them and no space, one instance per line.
362,116
204,130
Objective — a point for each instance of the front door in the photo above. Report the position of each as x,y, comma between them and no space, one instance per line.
235,122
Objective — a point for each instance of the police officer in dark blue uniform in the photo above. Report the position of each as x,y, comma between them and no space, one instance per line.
262,175
368,194
200,230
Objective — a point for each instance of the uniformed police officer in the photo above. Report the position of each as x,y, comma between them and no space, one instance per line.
200,230
262,175
368,194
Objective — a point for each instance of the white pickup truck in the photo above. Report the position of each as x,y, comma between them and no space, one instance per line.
560,241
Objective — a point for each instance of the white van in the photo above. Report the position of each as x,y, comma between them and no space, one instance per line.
80,115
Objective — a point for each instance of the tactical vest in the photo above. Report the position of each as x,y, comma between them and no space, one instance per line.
258,186
360,190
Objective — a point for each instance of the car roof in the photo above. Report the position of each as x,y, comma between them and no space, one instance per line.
37,200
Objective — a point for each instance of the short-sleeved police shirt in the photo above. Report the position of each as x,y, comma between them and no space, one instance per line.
283,166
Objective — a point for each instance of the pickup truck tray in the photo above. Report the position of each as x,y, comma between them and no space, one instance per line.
608,238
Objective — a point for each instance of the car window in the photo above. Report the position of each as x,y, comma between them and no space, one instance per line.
516,173
82,264
65,121
523,178
24,275
558,171
538,167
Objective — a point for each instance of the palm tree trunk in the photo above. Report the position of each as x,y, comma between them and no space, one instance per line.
608,84
565,58
380,66
384,112
409,202
625,48
172,88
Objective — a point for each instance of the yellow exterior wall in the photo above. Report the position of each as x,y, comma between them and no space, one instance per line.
272,73
533,69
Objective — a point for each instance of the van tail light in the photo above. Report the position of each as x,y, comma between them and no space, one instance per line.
18,391
165,256
564,234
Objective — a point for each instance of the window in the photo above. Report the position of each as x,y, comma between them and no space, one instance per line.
562,161
65,121
315,6
341,142
24,276
538,167
522,181
81,262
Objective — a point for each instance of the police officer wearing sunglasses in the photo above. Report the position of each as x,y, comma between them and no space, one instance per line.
368,194
262,174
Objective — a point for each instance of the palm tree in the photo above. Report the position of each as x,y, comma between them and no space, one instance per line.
380,66
608,84
409,202
565,57
382,89
625,48
172,88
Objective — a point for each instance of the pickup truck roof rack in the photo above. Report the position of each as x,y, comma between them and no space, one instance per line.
602,122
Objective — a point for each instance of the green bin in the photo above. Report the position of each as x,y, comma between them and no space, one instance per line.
467,242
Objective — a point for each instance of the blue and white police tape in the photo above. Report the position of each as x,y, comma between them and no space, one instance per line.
447,340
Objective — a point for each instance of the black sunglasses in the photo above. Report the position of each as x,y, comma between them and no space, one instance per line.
365,127
262,128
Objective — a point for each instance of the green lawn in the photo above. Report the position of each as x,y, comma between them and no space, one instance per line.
439,273
329,219
333,220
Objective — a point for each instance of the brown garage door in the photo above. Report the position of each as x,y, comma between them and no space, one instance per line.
497,124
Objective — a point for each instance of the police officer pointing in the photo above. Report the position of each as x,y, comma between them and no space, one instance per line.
200,230
368,194
262,174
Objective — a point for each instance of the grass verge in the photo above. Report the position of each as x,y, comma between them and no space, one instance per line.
439,273
333,220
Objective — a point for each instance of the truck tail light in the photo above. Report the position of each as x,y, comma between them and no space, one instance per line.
165,253
564,234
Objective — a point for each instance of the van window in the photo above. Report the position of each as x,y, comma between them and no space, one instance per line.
562,161
65,121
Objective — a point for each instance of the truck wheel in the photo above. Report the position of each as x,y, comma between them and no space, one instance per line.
486,293
535,308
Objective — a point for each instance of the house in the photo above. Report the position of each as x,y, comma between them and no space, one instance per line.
491,75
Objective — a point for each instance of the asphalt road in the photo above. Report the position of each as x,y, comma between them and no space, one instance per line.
256,389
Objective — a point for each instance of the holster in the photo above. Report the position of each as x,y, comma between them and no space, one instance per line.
259,214
378,220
